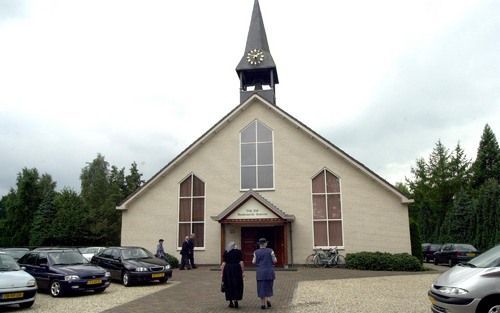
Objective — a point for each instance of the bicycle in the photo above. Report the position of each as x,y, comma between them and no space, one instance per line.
325,258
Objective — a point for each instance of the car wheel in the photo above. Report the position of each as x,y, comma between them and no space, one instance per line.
26,305
436,261
55,289
427,259
493,308
126,279
163,281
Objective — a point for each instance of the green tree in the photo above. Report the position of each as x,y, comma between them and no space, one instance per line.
23,206
71,222
487,163
459,223
133,180
487,213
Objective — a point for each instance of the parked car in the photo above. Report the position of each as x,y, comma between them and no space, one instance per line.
62,271
453,253
16,286
16,253
428,250
133,265
471,287
89,252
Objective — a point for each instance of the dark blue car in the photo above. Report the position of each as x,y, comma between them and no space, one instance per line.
61,271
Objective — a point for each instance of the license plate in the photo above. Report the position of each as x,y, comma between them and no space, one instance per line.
94,281
432,300
14,295
158,275
471,254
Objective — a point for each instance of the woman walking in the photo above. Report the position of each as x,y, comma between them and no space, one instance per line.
232,274
264,259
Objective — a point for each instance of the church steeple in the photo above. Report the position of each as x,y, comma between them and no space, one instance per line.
256,70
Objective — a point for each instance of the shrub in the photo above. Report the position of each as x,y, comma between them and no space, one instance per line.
382,261
172,260
416,243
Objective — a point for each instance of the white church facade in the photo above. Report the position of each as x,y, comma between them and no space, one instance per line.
260,172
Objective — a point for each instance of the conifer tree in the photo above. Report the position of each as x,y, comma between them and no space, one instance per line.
487,163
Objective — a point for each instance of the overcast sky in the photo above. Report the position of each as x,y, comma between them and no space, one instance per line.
141,80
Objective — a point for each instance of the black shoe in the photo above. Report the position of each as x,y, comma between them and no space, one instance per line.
268,304
236,304
263,307
231,305
189,268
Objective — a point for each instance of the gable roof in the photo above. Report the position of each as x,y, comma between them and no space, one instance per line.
230,116
255,195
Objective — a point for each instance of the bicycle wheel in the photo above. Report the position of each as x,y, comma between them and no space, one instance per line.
310,260
317,261
339,261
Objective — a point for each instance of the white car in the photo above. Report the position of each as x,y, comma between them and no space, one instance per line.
89,252
16,286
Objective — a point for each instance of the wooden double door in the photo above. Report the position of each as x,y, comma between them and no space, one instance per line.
274,236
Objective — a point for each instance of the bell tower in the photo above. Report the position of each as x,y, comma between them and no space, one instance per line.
256,70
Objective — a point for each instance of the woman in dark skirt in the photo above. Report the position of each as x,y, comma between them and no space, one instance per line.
232,274
264,259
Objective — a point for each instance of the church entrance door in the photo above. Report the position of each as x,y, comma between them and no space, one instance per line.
274,236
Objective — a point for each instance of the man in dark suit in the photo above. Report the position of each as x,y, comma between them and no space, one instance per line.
185,254
191,250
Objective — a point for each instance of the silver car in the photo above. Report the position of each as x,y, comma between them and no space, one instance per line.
16,286
472,287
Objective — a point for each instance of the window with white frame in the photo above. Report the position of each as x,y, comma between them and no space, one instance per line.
257,160
327,210
192,210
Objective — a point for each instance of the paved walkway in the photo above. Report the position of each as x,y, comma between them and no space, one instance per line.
199,291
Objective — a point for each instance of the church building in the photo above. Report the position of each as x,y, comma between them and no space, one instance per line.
260,172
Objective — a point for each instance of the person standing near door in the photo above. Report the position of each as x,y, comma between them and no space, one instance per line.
232,269
185,254
191,250
264,259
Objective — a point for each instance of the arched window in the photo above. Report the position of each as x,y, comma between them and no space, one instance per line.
257,160
327,210
192,210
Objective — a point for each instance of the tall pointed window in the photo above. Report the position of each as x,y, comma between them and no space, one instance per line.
192,210
257,160
327,210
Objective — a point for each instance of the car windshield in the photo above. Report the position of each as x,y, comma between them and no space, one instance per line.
67,258
490,258
17,254
89,250
136,253
7,263
463,247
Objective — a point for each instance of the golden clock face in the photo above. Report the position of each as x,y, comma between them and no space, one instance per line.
255,56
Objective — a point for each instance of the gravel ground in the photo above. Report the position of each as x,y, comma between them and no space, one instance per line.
114,295
377,294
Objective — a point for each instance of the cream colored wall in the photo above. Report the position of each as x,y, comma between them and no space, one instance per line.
374,218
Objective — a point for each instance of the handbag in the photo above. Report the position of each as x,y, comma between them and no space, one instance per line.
222,287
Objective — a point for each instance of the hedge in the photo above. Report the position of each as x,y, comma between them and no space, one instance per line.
172,260
383,261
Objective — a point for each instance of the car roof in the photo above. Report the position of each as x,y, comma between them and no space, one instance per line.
14,249
54,249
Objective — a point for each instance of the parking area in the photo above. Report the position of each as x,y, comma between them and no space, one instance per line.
114,295
304,290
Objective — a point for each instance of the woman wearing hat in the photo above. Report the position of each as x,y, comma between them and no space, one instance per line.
232,274
264,259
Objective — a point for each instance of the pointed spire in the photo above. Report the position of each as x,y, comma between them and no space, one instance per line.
257,40
256,70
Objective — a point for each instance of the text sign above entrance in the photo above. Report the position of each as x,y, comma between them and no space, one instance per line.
251,209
